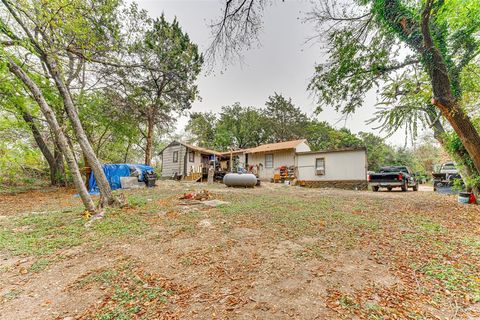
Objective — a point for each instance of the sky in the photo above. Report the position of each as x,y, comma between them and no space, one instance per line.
283,62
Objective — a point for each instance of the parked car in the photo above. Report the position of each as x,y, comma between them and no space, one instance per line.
393,177
445,176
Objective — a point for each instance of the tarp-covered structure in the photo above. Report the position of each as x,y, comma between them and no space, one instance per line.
114,172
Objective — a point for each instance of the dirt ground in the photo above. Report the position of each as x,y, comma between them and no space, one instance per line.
274,252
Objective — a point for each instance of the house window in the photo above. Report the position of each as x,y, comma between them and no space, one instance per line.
175,156
191,156
269,161
320,166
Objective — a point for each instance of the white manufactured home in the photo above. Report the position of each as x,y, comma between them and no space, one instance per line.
335,168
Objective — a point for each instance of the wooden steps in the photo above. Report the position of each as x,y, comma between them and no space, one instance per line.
194,176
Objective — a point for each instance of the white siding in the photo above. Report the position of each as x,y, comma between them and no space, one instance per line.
302,147
348,165
280,158
196,164
168,166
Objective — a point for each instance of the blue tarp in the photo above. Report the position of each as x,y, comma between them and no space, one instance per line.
115,171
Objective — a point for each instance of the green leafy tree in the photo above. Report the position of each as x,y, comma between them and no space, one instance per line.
427,153
285,121
424,85
16,101
322,136
235,127
202,125
61,37
163,81
318,135
60,136
379,154
114,134
405,157
20,159
240,127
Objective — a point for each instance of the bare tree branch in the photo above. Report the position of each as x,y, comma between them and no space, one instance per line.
236,30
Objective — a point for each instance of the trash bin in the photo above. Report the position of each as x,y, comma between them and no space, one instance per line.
150,179
466,197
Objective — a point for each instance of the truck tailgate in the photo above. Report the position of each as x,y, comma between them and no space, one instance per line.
384,177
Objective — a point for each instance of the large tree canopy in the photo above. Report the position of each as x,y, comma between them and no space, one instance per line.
244,127
416,54
240,127
285,121
162,82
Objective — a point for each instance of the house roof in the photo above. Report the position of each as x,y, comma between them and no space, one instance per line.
191,146
333,150
286,145
226,153
200,149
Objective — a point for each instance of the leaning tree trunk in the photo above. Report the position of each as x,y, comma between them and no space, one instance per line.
58,132
59,165
443,97
149,146
56,171
464,128
469,136
106,195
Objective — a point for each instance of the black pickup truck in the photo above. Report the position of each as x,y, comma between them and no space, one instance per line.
393,177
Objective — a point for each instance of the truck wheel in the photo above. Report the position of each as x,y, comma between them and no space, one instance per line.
389,189
375,189
404,188
415,187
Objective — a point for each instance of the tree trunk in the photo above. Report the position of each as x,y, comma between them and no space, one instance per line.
465,130
56,171
149,146
106,196
127,151
60,172
58,132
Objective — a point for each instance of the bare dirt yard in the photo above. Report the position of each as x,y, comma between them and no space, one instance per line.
274,252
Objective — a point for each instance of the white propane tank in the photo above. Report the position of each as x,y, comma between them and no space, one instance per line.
240,180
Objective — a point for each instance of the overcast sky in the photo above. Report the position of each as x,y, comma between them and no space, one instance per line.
283,63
